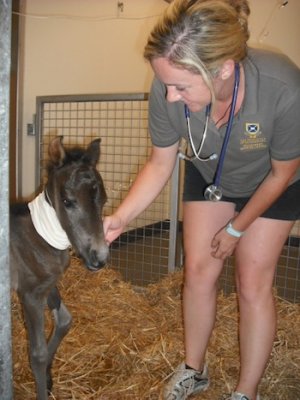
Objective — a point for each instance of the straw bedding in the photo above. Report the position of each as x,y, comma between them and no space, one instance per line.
125,342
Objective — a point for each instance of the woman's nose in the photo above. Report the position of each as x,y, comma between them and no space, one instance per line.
173,95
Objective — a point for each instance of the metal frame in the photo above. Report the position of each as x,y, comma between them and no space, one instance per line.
40,100
174,182
6,391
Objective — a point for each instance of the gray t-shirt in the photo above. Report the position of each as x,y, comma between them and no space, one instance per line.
266,126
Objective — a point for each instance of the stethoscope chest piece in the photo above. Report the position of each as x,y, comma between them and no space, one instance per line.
213,193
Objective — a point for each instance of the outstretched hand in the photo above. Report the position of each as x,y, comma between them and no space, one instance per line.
113,227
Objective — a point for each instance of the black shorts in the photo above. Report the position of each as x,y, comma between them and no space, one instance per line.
286,207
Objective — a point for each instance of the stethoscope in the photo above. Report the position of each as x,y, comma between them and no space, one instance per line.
214,192
196,153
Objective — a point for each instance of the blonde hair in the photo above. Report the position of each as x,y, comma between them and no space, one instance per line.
200,35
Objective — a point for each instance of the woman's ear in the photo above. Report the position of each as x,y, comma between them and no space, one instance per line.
227,69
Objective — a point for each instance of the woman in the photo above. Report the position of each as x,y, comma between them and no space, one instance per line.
249,99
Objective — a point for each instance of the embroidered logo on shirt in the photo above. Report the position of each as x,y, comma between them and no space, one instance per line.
253,138
252,129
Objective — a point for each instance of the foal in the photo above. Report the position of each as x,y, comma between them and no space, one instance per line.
67,213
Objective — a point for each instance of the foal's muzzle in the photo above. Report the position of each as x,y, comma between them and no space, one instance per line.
96,259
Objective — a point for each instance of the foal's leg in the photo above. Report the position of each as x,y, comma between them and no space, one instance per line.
63,320
33,307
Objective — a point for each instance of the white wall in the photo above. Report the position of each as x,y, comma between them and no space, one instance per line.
91,46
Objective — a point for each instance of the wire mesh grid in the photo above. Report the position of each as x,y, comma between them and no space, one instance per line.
142,252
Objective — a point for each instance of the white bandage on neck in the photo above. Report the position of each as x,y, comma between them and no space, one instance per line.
46,223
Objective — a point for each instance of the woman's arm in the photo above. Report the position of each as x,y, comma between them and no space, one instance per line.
146,187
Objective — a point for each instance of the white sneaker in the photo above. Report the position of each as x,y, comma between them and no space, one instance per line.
240,396
186,382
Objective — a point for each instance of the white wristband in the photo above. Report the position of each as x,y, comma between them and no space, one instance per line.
233,232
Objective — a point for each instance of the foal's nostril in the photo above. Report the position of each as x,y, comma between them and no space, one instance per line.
96,260
93,257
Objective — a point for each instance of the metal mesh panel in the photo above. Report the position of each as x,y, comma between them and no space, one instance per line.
142,252
287,278
147,250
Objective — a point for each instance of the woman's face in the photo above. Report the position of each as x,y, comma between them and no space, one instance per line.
182,85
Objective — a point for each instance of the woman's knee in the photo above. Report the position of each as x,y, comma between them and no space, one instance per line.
254,291
200,274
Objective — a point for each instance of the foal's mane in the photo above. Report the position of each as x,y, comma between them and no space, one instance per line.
19,208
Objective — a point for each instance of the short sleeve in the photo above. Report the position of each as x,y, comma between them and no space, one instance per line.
285,144
161,129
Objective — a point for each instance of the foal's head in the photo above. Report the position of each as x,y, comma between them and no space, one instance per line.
75,190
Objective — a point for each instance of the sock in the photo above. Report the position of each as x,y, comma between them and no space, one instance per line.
188,367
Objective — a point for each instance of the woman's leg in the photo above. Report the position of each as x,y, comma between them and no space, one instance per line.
201,221
256,258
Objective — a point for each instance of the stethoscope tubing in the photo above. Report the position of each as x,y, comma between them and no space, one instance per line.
214,192
197,153
218,174
213,156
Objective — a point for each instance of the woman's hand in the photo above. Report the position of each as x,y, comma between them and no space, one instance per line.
223,244
113,226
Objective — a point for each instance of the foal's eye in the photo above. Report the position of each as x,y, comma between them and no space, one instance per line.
68,203
93,191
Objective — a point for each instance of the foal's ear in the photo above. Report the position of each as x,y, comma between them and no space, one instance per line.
57,152
92,153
